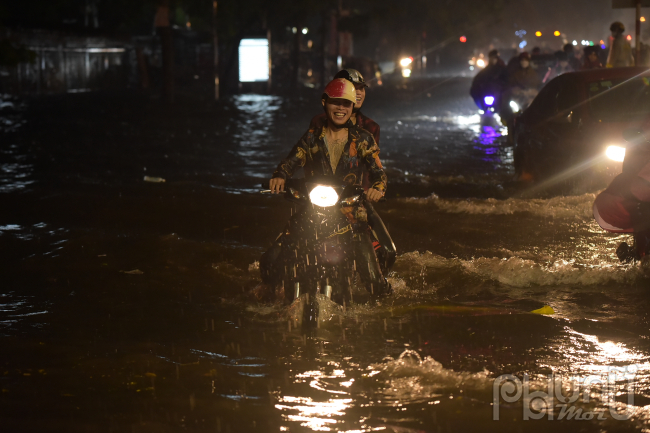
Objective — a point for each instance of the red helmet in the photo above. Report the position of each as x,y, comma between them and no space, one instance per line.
340,88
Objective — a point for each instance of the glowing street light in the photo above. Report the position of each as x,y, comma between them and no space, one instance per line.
538,34
556,33
463,39
642,19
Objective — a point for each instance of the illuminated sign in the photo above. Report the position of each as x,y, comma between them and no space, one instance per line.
253,60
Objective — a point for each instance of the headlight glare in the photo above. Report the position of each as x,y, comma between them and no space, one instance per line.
323,196
615,153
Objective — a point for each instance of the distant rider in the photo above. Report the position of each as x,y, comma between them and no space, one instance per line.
620,52
561,66
524,76
592,58
574,61
337,149
490,81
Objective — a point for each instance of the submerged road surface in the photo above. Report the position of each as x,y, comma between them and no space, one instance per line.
126,302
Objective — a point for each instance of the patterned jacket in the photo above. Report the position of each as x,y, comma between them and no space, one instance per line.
359,152
363,122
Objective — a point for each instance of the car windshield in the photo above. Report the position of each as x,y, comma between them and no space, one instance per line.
618,100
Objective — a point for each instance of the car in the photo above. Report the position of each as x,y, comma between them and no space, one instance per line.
574,126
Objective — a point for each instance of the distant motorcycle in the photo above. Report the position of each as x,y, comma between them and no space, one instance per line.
515,101
319,250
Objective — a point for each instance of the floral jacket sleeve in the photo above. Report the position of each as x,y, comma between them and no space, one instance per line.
296,159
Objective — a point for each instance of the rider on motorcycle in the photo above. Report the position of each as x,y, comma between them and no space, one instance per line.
341,150
490,81
384,244
524,76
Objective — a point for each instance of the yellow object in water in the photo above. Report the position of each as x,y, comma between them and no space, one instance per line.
546,309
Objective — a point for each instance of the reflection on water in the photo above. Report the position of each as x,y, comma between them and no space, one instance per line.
315,415
253,134
16,309
15,172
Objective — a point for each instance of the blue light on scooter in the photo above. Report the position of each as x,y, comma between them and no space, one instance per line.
489,100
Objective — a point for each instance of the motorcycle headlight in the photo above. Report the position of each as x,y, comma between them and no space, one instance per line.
323,196
489,100
615,153
514,106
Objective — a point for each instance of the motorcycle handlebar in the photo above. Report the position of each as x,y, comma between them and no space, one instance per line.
294,183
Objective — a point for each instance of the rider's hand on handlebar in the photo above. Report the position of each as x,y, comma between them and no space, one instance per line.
276,185
373,194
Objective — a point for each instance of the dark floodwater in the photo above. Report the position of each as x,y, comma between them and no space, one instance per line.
126,305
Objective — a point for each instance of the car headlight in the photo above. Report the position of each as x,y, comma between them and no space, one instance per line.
480,63
323,196
514,106
615,153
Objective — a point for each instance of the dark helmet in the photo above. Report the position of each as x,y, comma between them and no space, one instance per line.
561,56
617,26
524,56
351,75
493,53
568,48
592,49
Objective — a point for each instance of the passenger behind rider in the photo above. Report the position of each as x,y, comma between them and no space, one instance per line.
592,58
491,80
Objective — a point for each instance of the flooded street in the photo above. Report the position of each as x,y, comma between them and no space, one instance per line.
127,304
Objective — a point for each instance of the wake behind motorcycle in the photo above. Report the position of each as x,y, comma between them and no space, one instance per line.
325,244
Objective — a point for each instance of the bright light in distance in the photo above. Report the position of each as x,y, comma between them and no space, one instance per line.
407,72
538,34
556,33
489,100
629,37
615,153
480,63
575,42
305,31
406,61
323,196
253,60
642,19
463,39
514,106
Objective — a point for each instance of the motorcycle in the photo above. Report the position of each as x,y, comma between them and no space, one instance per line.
636,155
324,246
